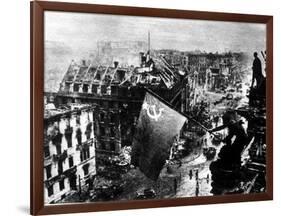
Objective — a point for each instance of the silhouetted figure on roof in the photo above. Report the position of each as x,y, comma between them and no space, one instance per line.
257,71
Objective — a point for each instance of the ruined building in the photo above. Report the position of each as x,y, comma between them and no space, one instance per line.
125,52
117,93
69,150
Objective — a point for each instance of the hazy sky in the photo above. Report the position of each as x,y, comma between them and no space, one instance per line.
81,30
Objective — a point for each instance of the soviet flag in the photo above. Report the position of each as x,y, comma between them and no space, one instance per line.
157,127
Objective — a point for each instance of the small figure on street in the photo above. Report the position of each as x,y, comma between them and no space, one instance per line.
190,174
175,185
197,175
257,71
197,188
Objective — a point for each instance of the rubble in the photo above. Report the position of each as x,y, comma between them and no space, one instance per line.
147,193
106,192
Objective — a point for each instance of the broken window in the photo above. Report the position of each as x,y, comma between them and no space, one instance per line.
67,87
85,153
61,183
102,131
86,169
120,75
88,130
46,151
103,89
76,87
57,139
98,76
112,132
94,89
79,136
112,146
50,190
58,147
114,90
60,167
88,152
72,182
70,160
102,117
68,136
49,171
85,88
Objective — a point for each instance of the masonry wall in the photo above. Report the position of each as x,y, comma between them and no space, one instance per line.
69,149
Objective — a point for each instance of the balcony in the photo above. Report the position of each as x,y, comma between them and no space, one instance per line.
87,143
60,157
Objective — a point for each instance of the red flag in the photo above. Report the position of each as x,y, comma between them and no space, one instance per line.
158,125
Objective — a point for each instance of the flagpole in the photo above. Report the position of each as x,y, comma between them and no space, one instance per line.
183,114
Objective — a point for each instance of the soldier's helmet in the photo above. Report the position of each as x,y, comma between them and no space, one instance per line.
230,117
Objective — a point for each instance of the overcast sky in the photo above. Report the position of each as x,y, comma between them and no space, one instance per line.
82,31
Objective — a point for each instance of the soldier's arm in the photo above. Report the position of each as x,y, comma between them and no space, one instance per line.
218,128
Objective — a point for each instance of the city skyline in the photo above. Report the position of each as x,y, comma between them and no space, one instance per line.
83,31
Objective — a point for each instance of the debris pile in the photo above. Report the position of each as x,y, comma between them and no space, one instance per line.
147,193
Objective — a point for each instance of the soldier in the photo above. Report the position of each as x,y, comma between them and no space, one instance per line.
230,154
197,175
257,71
197,188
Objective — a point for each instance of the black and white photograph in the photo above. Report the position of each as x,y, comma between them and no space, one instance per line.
140,108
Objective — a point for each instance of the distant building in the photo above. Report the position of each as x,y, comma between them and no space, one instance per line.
125,52
69,151
175,58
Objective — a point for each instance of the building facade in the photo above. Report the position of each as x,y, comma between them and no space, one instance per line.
117,94
69,151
